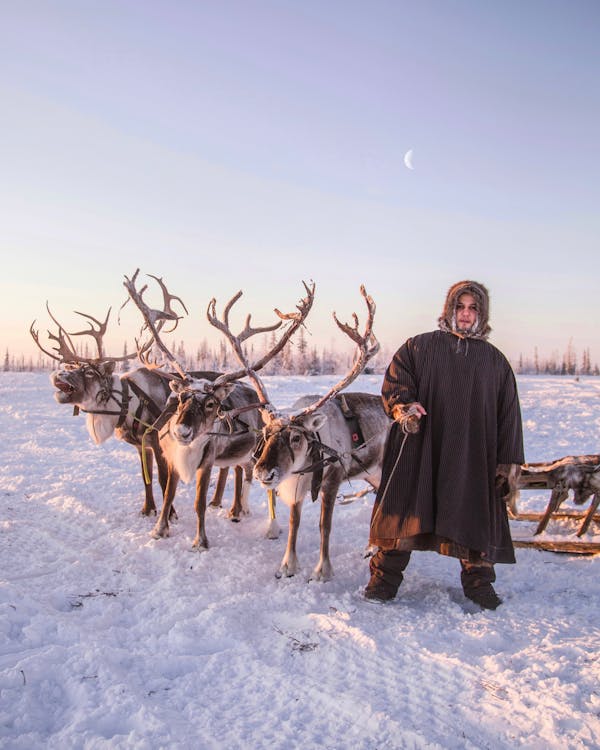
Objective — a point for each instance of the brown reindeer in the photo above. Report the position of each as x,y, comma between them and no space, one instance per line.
321,442
216,422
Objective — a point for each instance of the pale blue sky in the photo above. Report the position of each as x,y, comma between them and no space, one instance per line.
252,144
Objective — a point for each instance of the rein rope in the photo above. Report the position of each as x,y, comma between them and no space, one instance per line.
392,472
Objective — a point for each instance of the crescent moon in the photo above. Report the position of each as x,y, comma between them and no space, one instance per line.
408,159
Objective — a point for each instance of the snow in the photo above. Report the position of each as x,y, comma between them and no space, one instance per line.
110,639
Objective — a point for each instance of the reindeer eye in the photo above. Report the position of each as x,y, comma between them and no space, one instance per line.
295,439
210,403
89,373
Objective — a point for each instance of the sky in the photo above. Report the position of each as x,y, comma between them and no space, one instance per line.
252,145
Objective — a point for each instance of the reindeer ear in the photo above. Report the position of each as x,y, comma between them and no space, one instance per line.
314,421
176,385
267,416
222,391
108,367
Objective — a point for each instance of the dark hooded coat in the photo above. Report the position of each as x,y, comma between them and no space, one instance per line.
441,495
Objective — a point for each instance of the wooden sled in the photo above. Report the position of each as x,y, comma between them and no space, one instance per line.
579,474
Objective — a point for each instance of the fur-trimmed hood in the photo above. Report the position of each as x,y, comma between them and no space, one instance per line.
447,320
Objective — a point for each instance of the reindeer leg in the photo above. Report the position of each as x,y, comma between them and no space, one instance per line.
559,493
289,564
243,481
161,528
236,507
324,569
220,488
148,508
162,468
246,484
202,481
589,515
273,530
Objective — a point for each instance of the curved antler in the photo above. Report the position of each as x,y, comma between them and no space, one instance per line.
96,333
154,321
167,297
367,344
65,351
296,320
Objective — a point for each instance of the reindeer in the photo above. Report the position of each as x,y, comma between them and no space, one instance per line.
203,422
120,405
321,442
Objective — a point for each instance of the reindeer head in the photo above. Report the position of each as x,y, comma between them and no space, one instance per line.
199,405
287,446
290,443
82,382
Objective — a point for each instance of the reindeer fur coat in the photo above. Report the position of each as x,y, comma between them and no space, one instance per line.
442,493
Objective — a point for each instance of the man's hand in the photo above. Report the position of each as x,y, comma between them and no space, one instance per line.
408,416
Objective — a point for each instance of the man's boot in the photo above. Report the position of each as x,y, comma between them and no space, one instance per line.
477,582
386,568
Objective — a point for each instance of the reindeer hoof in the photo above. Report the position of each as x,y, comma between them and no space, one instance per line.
273,531
321,575
159,532
198,546
147,511
287,571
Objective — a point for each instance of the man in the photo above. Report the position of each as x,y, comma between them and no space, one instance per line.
454,451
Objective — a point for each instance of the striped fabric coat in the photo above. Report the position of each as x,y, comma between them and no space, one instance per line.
441,493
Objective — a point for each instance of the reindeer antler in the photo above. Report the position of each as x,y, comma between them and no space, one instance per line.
297,319
367,344
96,333
154,320
65,351
167,297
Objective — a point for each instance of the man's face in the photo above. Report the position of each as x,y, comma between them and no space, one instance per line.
466,312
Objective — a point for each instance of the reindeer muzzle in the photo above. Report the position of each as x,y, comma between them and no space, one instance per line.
63,386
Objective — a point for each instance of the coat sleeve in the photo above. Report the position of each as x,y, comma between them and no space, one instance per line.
510,429
400,383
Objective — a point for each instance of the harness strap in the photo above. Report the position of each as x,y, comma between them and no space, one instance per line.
317,477
123,406
124,403
164,416
320,462
145,402
352,422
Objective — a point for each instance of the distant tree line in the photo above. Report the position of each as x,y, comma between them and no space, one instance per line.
302,359
567,364
296,359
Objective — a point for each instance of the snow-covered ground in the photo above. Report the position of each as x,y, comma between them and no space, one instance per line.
110,639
